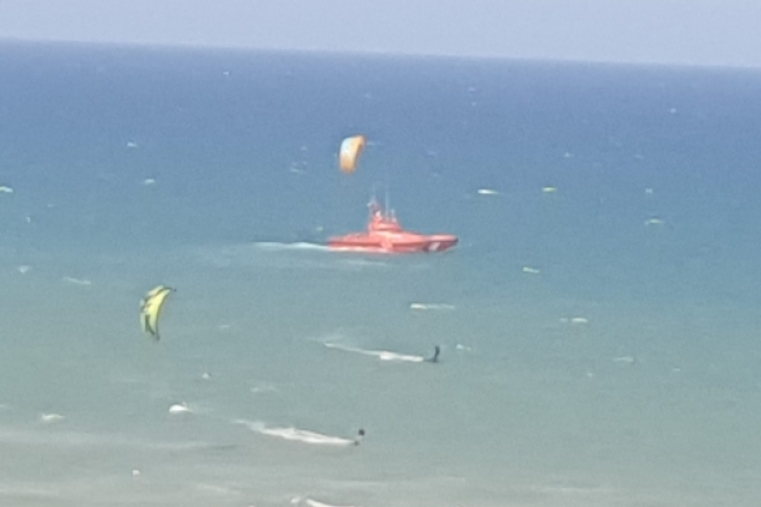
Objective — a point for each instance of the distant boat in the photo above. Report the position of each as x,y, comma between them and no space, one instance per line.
385,235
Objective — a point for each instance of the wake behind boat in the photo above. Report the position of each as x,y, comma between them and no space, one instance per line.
386,235
303,436
387,355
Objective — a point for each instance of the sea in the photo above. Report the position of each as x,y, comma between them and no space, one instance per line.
598,322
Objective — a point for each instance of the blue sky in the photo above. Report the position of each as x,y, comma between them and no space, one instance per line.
695,32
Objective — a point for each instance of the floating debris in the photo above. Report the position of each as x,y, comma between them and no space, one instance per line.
530,270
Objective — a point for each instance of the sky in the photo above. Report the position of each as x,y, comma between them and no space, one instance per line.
684,32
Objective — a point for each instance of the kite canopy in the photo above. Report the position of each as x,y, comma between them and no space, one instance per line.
150,309
351,149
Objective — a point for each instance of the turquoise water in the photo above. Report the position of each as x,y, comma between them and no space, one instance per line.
599,342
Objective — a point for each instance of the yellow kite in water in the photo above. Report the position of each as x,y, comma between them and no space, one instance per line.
351,149
150,309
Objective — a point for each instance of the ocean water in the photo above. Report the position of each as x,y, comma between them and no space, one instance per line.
598,321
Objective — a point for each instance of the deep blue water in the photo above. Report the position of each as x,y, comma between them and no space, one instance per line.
652,400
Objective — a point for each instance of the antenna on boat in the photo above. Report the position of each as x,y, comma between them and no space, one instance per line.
373,198
390,213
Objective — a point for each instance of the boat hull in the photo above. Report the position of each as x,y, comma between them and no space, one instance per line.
393,243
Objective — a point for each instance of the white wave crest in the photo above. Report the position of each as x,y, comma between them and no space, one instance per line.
313,503
180,408
432,306
50,418
76,281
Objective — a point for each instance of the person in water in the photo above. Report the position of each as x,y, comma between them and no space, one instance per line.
360,436
435,357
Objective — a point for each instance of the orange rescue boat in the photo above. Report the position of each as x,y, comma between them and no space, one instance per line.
385,235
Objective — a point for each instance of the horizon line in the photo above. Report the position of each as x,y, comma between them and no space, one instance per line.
189,46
